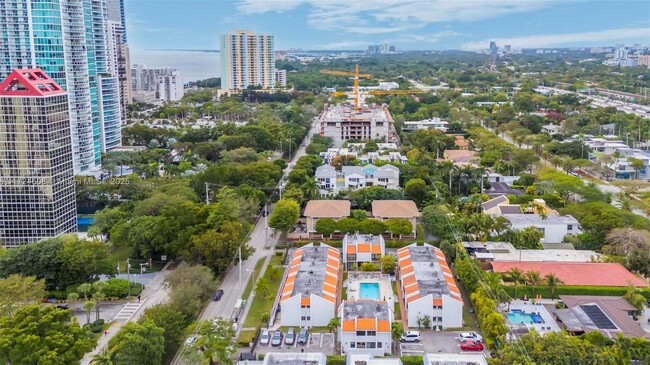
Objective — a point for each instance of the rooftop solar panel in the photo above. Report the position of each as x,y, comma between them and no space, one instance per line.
597,316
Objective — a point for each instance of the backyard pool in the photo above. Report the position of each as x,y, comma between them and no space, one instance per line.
369,291
517,316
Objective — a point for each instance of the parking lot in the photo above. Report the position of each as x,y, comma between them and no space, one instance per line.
318,342
432,342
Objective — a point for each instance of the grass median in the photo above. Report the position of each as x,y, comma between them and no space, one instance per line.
262,303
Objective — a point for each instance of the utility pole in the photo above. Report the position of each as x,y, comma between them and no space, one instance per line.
207,193
128,274
239,252
266,226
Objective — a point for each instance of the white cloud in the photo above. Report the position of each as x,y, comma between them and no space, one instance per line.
388,16
549,40
426,38
343,45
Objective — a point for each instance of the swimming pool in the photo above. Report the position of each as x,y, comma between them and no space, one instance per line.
516,316
86,221
369,291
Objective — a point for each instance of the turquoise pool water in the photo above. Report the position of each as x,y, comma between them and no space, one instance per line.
86,221
518,317
369,291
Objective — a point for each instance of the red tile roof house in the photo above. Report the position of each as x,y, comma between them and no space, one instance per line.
577,273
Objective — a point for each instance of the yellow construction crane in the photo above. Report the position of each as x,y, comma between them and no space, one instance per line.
356,75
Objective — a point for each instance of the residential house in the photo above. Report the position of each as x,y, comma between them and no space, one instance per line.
552,129
396,209
427,287
311,286
356,177
431,123
554,226
317,209
360,248
461,142
606,314
365,327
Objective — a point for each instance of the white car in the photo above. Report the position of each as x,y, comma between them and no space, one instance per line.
265,337
191,340
471,336
410,336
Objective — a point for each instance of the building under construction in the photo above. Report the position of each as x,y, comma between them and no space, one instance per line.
343,122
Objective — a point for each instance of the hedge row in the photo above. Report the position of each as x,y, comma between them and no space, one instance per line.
571,290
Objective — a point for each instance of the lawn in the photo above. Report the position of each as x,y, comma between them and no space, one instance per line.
262,304
276,260
398,313
119,255
251,282
246,337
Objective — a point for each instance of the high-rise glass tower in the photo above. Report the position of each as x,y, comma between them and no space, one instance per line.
68,39
37,186
247,58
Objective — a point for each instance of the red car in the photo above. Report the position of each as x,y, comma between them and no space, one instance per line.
471,346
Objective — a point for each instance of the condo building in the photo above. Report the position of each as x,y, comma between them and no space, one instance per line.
37,191
247,59
68,39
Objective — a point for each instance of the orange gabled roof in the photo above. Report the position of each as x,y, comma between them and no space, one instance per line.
446,270
412,298
408,281
411,289
383,326
407,270
329,290
405,263
366,324
332,280
352,249
331,271
376,249
329,299
294,270
437,302
332,262
285,297
363,247
348,326
305,301
402,252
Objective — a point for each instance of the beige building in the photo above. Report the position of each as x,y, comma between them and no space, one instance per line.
396,209
247,59
317,209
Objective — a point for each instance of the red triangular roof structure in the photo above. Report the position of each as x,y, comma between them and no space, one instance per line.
29,82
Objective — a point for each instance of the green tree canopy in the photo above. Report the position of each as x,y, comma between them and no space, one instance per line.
19,291
326,226
399,226
372,226
285,215
138,343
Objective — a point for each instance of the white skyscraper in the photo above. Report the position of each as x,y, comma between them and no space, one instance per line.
247,58
68,39
170,87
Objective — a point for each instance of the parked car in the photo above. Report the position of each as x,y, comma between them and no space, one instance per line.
472,336
276,340
290,338
217,295
469,345
265,337
410,336
191,340
63,306
303,336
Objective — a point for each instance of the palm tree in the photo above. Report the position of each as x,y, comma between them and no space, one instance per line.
102,359
310,188
99,295
533,279
333,327
85,289
262,286
72,298
552,282
556,161
568,164
437,144
516,276
396,333
88,306
265,317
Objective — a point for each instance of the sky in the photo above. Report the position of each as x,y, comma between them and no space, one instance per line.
407,24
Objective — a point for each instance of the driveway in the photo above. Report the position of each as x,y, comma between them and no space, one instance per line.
433,342
318,342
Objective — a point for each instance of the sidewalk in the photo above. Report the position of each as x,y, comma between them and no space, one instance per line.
155,292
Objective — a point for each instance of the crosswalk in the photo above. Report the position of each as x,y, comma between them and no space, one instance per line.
127,311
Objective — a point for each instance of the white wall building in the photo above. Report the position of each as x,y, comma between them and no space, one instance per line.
247,58
342,122
170,87
431,123
428,287
311,286
356,177
360,248
366,327
454,359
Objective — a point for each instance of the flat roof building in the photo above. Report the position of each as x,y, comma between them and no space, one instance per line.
427,287
342,122
360,248
366,327
454,359
311,287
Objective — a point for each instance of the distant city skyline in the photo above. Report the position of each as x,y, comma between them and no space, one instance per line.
408,24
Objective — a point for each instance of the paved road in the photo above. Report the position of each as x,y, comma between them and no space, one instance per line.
155,292
232,285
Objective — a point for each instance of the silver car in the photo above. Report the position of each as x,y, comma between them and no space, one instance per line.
276,340
290,338
265,337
